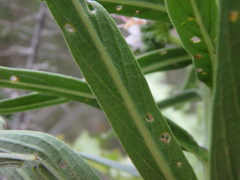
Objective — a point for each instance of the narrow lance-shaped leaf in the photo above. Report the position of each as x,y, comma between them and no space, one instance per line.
29,102
19,104
47,83
164,59
195,22
129,168
15,159
225,146
144,9
121,89
62,85
55,157
179,98
188,142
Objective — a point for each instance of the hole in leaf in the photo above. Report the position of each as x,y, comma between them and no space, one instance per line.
165,137
91,8
149,117
61,163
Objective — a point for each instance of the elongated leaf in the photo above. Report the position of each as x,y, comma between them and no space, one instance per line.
195,22
47,83
121,89
164,59
179,98
182,136
187,142
225,148
145,9
14,159
29,102
58,159
110,163
158,60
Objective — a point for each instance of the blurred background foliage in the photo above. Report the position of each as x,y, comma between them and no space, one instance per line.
31,39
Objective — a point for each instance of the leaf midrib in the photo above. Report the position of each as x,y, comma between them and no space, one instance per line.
58,89
136,117
167,61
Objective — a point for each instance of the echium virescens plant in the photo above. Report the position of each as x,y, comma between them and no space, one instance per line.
115,83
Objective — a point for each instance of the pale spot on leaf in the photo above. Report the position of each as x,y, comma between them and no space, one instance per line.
119,7
69,28
195,39
14,78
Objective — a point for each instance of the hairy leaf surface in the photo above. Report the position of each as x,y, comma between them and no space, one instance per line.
121,89
195,22
225,150
144,9
53,157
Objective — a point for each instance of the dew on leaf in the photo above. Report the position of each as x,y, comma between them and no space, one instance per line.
69,28
149,117
14,78
195,39
165,137
119,7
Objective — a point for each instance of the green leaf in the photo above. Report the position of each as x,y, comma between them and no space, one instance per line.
53,155
14,159
179,98
195,22
121,89
29,102
159,60
144,9
22,103
47,83
225,147
187,142
110,163
164,59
